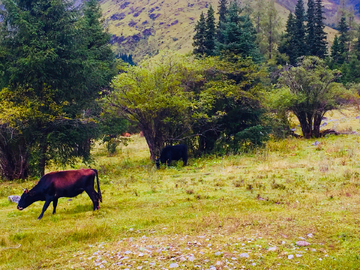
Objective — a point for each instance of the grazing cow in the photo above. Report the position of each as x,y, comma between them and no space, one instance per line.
54,185
170,153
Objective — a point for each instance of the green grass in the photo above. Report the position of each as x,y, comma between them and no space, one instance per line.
204,214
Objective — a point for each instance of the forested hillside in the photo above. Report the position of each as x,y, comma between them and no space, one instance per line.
142,27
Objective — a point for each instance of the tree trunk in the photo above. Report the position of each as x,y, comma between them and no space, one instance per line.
317,123
150,140
305,125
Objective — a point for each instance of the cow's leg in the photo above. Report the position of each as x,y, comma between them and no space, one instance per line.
94,196
184,161
46,205
55,201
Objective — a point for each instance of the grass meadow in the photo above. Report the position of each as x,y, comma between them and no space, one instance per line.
293,205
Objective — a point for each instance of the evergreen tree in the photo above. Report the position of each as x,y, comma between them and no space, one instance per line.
258,13
343,40
239,35
357,45
287,44
336,54
210,32
222,10
53,65
299,30
96,51
199,43
310,28
320,47
268,35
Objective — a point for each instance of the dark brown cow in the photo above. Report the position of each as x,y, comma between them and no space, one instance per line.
54,185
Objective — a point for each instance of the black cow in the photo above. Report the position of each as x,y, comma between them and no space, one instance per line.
170,153
54,185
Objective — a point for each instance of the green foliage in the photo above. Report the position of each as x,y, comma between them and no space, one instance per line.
210,33
222,10
239,35
172,97
343,38
287,44
156,96
299,30
320,43
310,28
54,62
268,35
200,36
309,91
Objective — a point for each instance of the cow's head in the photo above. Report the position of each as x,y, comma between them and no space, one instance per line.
25,200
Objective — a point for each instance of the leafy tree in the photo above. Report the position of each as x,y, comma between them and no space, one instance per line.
154,95
173,97
210,33
53,62
199,43
309,91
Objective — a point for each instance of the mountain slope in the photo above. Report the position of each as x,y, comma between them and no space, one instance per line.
143,27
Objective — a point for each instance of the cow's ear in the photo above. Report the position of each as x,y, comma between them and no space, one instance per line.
26,190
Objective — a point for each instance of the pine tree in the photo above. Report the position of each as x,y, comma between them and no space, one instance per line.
287,44
100,67
239,35
299,30
320,47
258,13
199,43
336,54
55,63
268,34
222,10
357,45
210,32
343,40
310,28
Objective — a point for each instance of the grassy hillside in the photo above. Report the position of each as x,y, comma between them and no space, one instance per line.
142,27
245,211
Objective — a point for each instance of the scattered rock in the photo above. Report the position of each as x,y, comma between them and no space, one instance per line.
173,265
315,143
290,257
272,248
218,253
302,243
244,255
14,198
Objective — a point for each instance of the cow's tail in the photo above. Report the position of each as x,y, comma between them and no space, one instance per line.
98,185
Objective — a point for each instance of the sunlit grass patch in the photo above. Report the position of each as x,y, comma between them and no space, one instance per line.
248,203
